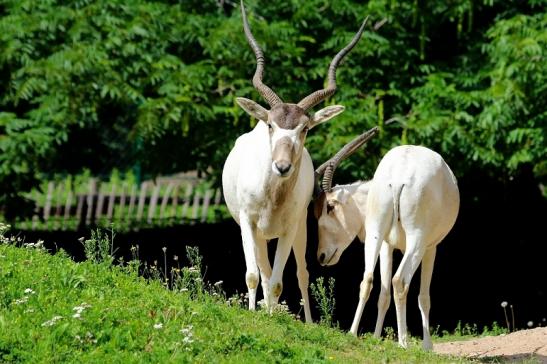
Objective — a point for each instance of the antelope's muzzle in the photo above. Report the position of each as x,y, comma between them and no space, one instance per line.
283,155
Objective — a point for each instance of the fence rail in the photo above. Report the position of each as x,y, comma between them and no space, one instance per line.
171,201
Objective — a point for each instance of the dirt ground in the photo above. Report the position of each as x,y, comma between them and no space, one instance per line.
514,347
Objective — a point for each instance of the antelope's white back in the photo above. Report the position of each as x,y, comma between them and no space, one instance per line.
268,179
411,204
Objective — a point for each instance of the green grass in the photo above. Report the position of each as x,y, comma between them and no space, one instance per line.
110,314
467,332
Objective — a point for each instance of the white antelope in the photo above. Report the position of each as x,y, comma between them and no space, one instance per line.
410,204
268,179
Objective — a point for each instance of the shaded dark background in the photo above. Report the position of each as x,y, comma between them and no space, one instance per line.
496,252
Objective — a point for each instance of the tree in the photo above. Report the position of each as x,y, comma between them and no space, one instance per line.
115,84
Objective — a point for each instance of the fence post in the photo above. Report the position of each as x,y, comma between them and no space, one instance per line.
187,195
131,203
119,213
142,200
58,199
195,205
47,206
110,207
165,199
205,207
175,200
68,204
90,198
153,203
100,204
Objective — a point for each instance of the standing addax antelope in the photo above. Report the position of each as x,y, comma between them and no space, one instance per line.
268,179
410,204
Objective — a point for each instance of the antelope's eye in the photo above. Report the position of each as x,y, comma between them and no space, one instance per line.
330,207
270,126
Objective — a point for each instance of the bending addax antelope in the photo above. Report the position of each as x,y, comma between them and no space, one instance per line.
410,204
268,179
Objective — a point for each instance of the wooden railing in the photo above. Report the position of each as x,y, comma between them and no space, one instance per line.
164,201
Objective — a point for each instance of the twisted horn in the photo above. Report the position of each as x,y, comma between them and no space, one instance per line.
267,93
327,169
313,99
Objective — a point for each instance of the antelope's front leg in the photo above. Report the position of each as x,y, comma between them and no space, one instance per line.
373,242
299,249
264,267
248,236
284,245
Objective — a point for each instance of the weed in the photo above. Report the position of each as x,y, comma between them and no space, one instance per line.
100,247
324,296
389,333
190,279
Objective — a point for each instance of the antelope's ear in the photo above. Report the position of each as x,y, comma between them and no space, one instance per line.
326,114
340,195
252,108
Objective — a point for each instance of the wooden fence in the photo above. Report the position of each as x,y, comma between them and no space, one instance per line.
165,201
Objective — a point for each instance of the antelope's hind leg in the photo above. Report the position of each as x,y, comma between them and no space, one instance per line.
424,301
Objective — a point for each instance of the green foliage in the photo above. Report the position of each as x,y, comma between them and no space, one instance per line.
100,247
54,310
466,331
150,85
493,116
323,294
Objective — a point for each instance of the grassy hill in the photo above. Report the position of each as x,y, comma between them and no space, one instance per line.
55,310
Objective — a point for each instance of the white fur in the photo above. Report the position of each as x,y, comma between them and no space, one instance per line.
266,205
410,204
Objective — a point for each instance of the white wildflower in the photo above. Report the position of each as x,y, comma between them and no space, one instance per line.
77,315
218,284
158,326
192,269
504,304
80,309
184,289
52,321
188,334
164,249
187,330
29,291
530,323
21,300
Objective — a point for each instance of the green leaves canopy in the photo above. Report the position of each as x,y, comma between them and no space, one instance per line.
114,84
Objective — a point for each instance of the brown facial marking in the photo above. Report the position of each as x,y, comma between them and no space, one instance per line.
283,149
318,205
288,116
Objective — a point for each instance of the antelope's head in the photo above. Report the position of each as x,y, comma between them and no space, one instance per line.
288,123
338,216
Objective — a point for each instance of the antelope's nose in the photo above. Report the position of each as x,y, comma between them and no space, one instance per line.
321,258
283,167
